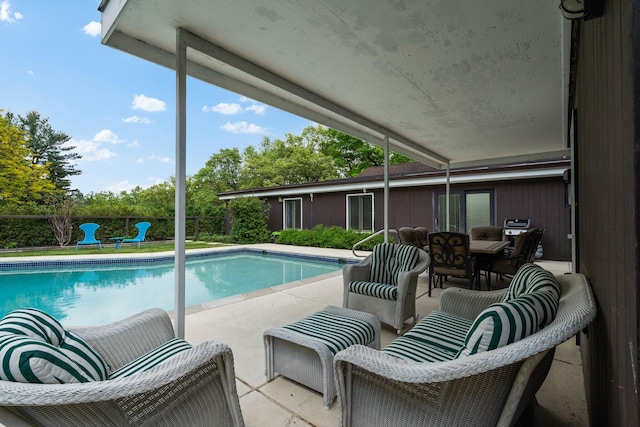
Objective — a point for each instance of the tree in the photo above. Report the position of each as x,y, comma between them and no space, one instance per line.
295,160
221,172
48,148
20,181
352,155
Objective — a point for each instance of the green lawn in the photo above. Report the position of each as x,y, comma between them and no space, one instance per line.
108,250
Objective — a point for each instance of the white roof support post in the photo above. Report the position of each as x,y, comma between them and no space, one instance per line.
386,189
181,164
448,196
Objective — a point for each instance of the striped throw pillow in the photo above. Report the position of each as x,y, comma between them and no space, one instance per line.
30,360
33,323
91,363
503,323
152,358
62,357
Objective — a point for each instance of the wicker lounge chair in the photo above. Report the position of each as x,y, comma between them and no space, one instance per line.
484,389
196,387
384,284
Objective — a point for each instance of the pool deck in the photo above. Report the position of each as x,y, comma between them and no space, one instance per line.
240,321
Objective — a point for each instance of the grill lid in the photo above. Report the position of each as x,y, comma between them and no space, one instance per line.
517,223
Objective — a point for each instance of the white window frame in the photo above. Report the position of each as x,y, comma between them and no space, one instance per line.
348,223
284,213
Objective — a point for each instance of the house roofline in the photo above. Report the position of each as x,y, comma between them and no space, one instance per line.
459,176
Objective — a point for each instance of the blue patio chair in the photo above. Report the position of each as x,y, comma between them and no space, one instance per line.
89,229
142,231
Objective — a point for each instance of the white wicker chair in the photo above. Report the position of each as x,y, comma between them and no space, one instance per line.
195,388
393,312
485,389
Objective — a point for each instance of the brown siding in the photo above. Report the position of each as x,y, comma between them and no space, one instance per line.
607,209
541,200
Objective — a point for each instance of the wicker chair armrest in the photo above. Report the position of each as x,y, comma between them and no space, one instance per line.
173,369
467,303
125,340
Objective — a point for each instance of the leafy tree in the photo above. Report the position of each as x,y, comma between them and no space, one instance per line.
20,181
352,155
296,160
221,172
48,148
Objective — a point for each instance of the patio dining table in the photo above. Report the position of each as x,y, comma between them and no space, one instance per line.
486,251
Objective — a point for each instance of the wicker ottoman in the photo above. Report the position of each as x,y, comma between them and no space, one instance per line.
303,351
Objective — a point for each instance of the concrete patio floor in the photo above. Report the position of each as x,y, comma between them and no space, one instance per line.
241,320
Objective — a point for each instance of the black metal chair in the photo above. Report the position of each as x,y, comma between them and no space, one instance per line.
451,257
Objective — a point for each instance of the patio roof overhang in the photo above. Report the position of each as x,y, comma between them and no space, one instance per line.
451,84
458,82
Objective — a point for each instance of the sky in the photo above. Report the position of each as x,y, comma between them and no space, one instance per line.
119,110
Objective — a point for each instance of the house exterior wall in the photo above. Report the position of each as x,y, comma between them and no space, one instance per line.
607,214
543,200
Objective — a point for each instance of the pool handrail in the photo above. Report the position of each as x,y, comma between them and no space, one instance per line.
392,233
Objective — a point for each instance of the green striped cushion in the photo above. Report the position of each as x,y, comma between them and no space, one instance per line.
335,331
30,360
33,323
530,278
388,259
378,290
91,363
409,349
153,358
61,347
441,330
503,323
435,338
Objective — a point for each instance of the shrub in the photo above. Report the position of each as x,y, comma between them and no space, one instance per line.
249,217
327,237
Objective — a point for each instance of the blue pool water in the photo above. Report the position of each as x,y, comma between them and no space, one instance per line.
95,294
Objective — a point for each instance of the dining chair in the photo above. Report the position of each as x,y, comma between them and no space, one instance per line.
451,256
522,252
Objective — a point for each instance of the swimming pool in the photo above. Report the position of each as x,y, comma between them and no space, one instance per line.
83,292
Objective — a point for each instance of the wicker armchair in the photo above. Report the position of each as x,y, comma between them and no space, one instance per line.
385,288
195,387
485,389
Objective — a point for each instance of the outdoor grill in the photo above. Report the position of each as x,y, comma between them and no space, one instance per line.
513,227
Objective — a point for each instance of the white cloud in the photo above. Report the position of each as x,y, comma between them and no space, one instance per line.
160,159
8,15
134,144
90,150
121,186
106,135
224,108
141,102
244,127
257,108
140,161
31,73
92,29
136,119
234,108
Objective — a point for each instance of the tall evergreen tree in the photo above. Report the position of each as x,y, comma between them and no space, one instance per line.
48,148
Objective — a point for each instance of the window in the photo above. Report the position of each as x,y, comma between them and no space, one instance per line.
292,213
360,212
467,209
